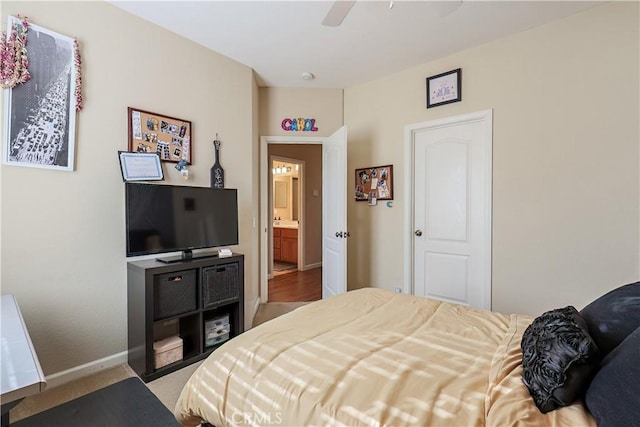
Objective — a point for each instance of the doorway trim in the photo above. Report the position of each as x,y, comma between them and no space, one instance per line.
409,156
264,201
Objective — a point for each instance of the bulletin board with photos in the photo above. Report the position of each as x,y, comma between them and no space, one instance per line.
169,137
374,183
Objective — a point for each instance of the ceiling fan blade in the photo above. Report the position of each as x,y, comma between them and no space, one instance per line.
444,8
337,13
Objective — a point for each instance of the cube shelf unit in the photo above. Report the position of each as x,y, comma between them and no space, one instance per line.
166,299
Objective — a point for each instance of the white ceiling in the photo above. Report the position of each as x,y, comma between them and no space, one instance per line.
282,39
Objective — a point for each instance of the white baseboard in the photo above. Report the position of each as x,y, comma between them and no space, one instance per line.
312,266
63,377
90,368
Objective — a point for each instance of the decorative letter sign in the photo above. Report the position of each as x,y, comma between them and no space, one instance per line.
300,125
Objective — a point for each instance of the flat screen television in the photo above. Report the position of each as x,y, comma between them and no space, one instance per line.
174,218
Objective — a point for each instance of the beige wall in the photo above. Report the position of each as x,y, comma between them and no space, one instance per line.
565,158
251,246
63,232
326,107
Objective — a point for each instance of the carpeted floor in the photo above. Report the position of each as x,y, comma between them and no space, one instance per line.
166,388
271,310
127,403
69,391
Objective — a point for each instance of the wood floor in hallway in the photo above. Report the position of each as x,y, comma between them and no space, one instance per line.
296,286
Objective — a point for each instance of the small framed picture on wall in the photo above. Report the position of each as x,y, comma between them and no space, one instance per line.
444,88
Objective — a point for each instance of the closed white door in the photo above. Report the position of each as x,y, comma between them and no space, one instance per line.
452,209
334,214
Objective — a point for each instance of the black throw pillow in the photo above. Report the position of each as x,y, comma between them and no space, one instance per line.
613,316
613,398
558,358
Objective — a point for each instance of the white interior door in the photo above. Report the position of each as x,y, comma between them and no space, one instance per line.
334,214
452,209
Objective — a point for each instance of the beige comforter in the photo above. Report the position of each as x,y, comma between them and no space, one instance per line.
371,357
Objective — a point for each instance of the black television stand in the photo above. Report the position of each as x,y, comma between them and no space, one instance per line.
183,299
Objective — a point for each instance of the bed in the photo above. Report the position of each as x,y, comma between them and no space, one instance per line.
372,357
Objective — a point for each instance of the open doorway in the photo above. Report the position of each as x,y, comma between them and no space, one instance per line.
294,223
326,200
288,243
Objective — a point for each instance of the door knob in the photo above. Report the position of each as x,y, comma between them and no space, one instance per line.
338,233
418,233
